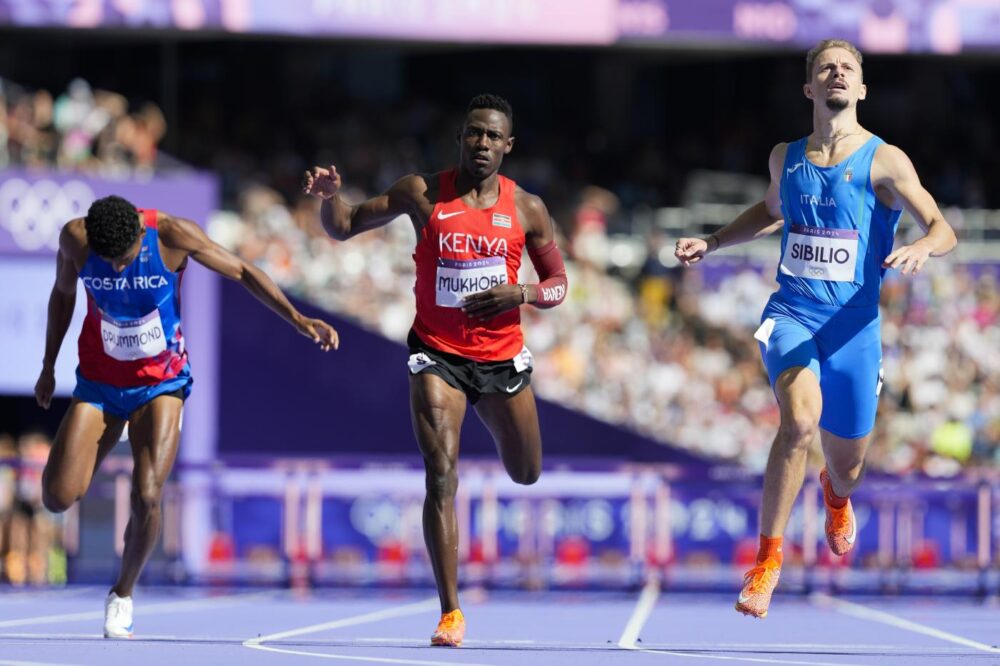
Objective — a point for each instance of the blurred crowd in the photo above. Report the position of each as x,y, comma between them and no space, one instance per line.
663,351
79,128
671,353
30,550
638,143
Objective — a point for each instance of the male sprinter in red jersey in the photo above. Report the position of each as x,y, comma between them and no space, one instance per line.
133,363
466,343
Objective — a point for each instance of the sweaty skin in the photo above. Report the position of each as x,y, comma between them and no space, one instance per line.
438,409
835,86
87,434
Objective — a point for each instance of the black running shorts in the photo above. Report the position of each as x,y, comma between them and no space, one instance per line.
473,378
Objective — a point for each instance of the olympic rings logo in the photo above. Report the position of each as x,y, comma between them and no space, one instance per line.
34,213
817,272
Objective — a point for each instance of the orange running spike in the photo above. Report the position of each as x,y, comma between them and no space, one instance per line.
841,527
758,586
450,630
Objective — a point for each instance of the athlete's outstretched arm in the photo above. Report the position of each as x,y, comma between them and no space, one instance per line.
62,301
342,220
186,236
893,170
539,238
761,219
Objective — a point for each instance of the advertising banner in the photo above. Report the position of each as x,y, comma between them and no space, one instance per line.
897,26
893,26
473,21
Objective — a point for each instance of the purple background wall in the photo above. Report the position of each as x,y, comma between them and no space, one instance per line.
281,395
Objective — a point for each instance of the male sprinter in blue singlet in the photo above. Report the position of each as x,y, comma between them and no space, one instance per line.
837,196
133,362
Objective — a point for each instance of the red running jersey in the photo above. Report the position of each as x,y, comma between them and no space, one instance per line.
465,251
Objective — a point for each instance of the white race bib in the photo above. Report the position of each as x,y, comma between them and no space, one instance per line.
419,362
457,279
820,254
524,360
129,340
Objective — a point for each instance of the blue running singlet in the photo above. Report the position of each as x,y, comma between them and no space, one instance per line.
131,346
824,316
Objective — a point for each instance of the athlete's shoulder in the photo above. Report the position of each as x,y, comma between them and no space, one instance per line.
414,187
780,149
73,237
178,233
168,226
890,162
776,159
415,183
527,201
532,213
890,153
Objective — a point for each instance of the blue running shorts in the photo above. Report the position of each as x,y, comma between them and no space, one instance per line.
842,346
121,402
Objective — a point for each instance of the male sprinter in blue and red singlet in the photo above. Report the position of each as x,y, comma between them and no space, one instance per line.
133,362
837,196
466,343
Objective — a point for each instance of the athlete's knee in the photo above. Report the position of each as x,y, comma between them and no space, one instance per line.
526,473
442,485
57,499
847,477
797,431
441,478
146,500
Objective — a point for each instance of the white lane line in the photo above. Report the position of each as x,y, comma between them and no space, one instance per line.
140,610
758,660
52,636
375,660
23,596
643,608
143,638
374,616
811,647
4,662
861,612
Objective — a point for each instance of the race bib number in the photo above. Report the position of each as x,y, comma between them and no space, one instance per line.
129,340
457,279
820,254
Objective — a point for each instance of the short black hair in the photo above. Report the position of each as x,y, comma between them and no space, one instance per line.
495,102
112,225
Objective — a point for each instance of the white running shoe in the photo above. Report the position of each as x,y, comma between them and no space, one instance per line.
117,616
